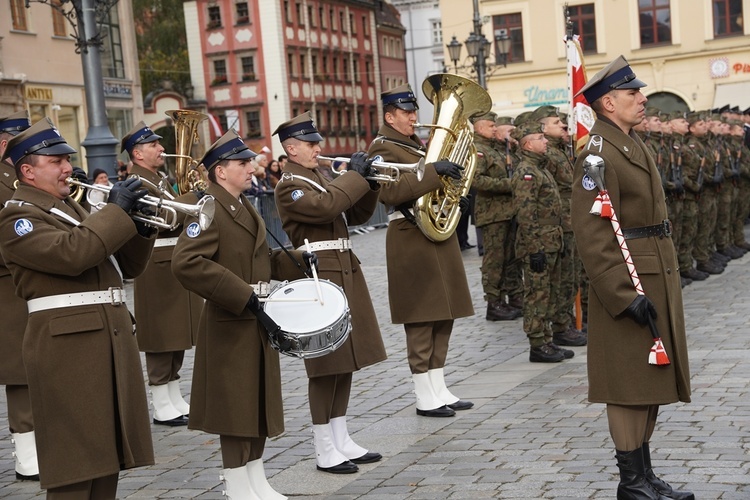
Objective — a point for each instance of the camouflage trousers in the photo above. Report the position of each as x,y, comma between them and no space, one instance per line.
538,291
704,238
689,230
674,212
570,275
723,214
497,243
743,211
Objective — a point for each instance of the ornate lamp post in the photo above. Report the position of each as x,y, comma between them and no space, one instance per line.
478,48
87,17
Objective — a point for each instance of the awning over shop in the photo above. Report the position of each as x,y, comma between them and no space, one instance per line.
733,94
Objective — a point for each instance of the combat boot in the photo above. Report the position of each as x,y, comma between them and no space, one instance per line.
516,302
740,251
720,257
545,354
570,337
633,483
685,281
567,353
694,274
497,311
709,267
660,485
744,245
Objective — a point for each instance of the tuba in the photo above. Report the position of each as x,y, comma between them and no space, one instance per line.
455,99
186,122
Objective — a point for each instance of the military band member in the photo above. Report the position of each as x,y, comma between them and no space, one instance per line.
236,391
619,373
166,314
312,208
81,358
12,373
427,287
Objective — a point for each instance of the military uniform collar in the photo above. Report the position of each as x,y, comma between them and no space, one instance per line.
248,219
480,139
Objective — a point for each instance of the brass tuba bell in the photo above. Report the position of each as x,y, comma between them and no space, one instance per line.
186,171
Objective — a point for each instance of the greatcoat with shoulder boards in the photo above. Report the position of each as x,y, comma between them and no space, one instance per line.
84,372
166,314
235,365
618,368
426,279
306,211
12,371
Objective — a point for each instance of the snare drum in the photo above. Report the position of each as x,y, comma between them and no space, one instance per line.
309,329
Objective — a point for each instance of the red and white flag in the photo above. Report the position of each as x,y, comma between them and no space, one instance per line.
581,117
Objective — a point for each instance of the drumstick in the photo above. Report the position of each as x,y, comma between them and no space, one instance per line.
315,274
314,299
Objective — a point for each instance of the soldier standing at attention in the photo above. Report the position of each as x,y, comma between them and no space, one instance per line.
494,210
538,208
619,372
676,189
12,372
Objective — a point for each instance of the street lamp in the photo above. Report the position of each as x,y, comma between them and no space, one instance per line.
478,48
87,17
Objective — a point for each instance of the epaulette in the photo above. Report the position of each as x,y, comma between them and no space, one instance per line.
20,203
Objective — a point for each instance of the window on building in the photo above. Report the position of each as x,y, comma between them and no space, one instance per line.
336,68
303,64
365,26
223,122
373,114
315,69
386,47
252,119
59,27
368,71
243,13
290,66
656,22
339,121
322,17
248,68
220,72
332,19
728,18
342,22
345,68
324,68
584,25
353,24
112,60
18,15
513,25
437,32
214,17
357,76
398,52
311,16
300,14
318,116
287,13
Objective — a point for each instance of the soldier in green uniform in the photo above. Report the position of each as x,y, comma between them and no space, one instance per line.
493,213
728,192
559,165
676,190
741,157
538,208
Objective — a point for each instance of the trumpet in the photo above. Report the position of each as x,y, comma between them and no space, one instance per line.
394,169
163,186
203,210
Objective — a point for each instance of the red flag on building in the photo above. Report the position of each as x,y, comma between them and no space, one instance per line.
581,117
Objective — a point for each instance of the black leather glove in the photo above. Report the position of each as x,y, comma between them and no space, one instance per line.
360,164
311,260
126,193
144,229
538,262
679,188
253,303
463,204
80,175
640,309
448,168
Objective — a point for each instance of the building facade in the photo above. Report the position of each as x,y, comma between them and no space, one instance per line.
255,72
693,55
41,72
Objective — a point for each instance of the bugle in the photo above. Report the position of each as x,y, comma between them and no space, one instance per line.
393,169
203,210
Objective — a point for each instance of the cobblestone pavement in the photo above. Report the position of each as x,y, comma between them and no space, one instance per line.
531,434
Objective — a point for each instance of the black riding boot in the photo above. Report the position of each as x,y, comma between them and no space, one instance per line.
659,485
633,484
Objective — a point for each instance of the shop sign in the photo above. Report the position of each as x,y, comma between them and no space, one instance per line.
118,90
38,93
541,97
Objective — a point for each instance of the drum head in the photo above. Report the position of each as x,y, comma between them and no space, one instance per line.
308,316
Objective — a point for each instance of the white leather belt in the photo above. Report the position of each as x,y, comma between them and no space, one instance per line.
398,215
341,244
165,242
114,296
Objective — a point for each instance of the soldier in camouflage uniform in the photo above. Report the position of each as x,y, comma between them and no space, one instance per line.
726,193
675,189
540,238
493,213
693,172
559,165
741,155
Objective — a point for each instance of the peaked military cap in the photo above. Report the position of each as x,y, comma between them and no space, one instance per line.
616,75
724,108
504,120
746,112
735,109
140,134
543,112
527,128
300,127
15,123
489,116
229,147
402,97
42,138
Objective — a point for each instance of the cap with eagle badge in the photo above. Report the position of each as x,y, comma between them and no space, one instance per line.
300,127
229,147
615,76
15,123
402,97
140,134
42,138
